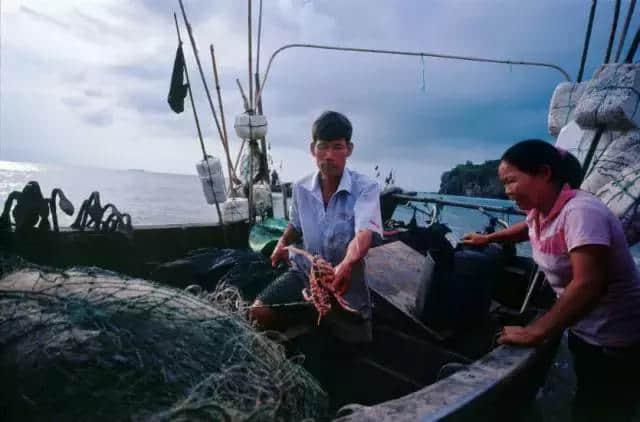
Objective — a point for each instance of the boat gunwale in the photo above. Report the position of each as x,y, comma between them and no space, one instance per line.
450,395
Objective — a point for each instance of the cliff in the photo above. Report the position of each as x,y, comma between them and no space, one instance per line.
470,179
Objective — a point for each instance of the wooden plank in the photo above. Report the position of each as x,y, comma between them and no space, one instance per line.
394,271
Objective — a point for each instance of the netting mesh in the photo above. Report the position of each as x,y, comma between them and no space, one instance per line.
87,344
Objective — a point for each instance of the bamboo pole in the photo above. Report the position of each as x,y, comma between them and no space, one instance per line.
232,175
206,89
204,152
244,141
244,97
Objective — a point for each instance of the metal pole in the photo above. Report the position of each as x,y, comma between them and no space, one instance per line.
587,38
633,48
204,152
536,276
250,63
263,142
625,28
405,53
252,145
505,210
285,208
592,150
612,35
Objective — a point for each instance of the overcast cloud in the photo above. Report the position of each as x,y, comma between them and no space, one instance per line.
85,82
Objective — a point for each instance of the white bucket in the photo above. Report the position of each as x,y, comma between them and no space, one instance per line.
261,197
212,180
251,126
235,209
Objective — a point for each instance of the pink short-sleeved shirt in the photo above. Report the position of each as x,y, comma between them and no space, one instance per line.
578,219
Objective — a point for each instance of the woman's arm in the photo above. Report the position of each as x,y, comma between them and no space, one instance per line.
589,267
516,233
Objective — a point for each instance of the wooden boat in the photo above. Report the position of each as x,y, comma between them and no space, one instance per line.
410,371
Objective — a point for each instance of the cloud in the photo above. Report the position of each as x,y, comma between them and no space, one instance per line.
97,25
93,93
91,78
140,70
74,102
100,118
43,17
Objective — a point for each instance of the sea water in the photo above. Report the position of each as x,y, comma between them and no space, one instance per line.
160,198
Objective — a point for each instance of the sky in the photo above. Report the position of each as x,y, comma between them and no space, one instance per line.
86,82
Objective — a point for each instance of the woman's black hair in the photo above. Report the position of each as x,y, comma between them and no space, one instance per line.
330,126
530,155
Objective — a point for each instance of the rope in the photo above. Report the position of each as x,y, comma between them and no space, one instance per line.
278,305
424,85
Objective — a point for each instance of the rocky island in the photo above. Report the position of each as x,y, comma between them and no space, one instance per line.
480,180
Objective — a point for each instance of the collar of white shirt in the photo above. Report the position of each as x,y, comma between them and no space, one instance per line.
313,184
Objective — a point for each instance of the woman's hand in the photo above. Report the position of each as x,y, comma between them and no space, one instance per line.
475,239
522,336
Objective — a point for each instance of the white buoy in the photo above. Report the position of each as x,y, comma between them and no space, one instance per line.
251,126
212,179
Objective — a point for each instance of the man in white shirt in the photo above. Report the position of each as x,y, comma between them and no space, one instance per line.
335,212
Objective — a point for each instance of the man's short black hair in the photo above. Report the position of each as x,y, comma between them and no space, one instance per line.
330,126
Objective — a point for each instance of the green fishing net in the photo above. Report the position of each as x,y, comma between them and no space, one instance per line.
88,344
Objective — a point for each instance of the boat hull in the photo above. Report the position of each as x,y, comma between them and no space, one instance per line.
496,385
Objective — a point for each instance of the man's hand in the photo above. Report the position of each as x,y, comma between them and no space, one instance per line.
342,280
522,336
475,239
280,253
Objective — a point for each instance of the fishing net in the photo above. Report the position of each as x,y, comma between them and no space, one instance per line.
248,271
87,344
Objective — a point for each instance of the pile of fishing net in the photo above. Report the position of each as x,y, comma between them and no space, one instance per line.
248,271
86,344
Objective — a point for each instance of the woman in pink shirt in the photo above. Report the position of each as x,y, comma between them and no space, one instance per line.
579,245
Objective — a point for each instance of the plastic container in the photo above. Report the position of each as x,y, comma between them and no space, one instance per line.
261,197
251,126
212,179
235,209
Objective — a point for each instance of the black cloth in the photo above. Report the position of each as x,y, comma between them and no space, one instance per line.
285,289
608,381
249,271
178,89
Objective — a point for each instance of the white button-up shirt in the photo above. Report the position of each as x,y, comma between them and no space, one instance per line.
328,231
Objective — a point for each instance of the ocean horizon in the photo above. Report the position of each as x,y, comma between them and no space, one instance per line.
157,198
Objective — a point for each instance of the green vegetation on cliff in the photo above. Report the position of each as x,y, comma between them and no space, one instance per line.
470,179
